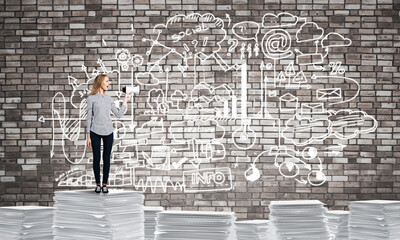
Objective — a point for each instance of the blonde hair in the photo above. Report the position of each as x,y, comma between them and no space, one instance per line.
97,84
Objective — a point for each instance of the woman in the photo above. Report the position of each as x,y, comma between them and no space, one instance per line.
100,126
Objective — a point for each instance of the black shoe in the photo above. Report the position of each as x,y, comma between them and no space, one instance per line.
97,189
104,189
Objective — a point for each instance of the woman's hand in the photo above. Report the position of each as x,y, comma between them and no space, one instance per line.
127,98
88,141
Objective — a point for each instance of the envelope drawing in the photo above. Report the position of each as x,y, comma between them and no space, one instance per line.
329,93
312,108
288,103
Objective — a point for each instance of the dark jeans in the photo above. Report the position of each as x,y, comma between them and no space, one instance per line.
107,147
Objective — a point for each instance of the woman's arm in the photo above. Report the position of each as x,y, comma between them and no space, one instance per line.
120,112
88,122
89,114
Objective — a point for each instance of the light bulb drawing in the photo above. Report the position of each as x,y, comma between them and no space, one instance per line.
244,137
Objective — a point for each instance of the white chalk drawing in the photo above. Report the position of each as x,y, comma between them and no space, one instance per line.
300,78
329,93
157,103
70,129
253,173
333,40
336,68
206,180
336,150
158,154
243,87
348,94
302,131
288,103
312,109
177,97
280,20
276,44
244,137
154,126
243,30
348,124
207,102
285,99
191,42
305,166
157,182
302,35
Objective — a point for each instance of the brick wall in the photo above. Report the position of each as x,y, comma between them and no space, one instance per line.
49,55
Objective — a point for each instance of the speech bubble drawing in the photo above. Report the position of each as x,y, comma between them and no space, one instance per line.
245,30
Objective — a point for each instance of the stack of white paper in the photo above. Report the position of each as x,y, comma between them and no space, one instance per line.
337,224
150,214
252,230
84,214
375,219
26,222
174,225
297,220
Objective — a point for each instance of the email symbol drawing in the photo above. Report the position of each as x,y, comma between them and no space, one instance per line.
329,93
288,103
312,108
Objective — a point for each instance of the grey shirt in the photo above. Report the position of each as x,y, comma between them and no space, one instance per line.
99,107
